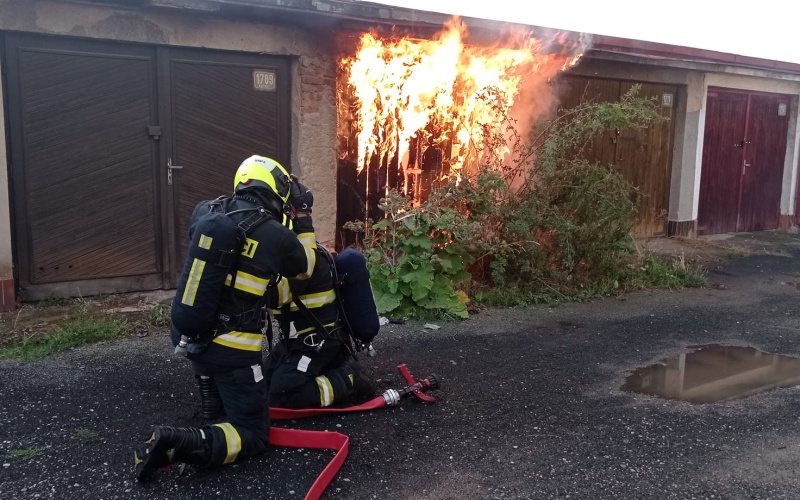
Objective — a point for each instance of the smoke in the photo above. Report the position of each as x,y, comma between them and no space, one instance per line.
538,96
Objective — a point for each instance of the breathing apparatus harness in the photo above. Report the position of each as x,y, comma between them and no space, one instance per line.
265,208
218,236
341,330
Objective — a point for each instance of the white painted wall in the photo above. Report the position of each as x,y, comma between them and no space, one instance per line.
687,155
789,190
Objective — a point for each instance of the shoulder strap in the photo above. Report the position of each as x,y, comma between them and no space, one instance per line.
256,217
318,326
353,344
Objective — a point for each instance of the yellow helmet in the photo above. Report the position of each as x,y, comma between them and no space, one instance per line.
265,173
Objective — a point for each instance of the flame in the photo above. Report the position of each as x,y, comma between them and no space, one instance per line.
439,92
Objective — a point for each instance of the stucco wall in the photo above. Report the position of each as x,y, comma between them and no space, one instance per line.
792,163
313,149
618,70
690,164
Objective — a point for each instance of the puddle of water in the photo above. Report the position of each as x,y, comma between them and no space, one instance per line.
715,373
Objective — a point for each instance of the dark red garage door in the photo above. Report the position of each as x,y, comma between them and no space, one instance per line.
744,150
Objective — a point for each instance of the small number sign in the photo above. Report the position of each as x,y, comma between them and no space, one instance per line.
264,79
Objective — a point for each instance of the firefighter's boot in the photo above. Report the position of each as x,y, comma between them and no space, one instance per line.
170,444
210,404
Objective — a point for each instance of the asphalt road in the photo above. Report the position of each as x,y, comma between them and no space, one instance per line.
530,407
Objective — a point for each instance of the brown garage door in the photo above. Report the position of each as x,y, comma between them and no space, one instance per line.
643,157
83,164
94,126
225,108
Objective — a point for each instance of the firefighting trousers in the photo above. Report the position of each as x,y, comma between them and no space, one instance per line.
304,378
246,430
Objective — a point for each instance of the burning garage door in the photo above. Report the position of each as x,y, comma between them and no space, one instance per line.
416,113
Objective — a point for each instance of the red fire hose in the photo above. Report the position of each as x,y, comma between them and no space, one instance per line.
294,438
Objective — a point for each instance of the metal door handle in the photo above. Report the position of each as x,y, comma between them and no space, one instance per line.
170,168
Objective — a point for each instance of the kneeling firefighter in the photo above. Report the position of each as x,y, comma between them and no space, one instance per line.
313,365
219,309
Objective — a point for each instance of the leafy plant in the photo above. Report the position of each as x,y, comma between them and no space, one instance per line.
415,265
158,315
55,301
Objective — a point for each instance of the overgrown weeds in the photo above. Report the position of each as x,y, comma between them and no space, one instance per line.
80,329
55,301
158,315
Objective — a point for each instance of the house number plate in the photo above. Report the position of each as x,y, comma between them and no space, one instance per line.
264,80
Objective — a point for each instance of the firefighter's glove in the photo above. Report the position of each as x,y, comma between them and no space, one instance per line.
300,197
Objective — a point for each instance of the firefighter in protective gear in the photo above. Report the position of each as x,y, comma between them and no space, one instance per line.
309,368
232,356
302,371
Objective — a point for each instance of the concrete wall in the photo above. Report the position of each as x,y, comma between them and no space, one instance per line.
313,110
620,70
7,289
792,163
687,155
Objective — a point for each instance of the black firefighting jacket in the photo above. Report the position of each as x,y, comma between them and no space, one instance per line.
271,251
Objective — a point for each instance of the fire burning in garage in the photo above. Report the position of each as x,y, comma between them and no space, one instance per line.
414,113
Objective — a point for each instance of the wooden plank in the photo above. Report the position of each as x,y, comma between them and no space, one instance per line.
644,158
574,90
